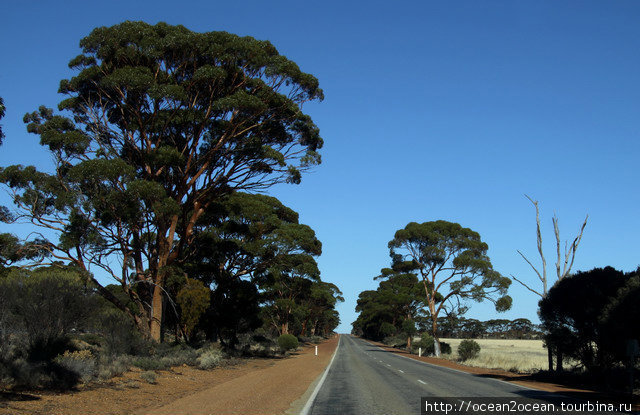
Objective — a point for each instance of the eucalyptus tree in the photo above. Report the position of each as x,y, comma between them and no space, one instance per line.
255,238
453,266
393,308
157,124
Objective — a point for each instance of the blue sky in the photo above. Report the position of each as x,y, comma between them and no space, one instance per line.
433,110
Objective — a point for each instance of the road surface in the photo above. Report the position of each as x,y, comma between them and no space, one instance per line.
366,379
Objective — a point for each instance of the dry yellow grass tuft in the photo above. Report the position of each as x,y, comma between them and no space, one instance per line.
524,356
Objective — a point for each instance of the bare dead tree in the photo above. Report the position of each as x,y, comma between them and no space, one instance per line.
565,259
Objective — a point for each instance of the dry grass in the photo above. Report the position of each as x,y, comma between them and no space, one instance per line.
524,356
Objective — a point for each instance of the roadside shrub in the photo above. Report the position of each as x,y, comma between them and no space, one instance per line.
149,363
109,368
119,335
445,348
80,362
40,375
426,343
468,349
149,377
288,342
395,341
209,359
45,305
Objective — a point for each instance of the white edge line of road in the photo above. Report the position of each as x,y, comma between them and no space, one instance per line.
307,406
559,395
456,370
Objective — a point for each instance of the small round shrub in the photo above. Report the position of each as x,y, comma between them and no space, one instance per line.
468,349
210,359
80,362
445,348
149,377
288,342
425,343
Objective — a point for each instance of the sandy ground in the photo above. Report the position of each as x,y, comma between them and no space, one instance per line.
254,386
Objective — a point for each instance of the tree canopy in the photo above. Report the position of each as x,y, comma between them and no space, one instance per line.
158,124
573,313
453,266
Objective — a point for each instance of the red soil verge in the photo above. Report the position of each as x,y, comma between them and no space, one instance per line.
517,378
254,386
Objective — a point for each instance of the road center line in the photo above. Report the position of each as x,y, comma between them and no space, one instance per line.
424,383
401,371
388,365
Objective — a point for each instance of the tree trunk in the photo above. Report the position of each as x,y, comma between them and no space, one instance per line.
550,358
156,314
436,346
434,328
409,344
559,367
285,328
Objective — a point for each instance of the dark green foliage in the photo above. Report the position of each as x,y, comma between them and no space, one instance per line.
425,343
288,342
150,363
159,123
453,265
445,347
468,349
42,307
574,313
118,333
392,308
234,310
619,320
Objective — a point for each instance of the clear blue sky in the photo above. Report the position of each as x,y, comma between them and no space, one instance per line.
433,110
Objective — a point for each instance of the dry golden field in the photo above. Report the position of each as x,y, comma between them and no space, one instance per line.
523,356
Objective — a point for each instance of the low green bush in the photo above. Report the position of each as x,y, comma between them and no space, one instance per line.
150,363
210,358
80,362
149,377
395,341
425,343
288,342
468,349
110,367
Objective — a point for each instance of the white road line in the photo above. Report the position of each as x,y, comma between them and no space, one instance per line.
388,365
424,383
401,371
456,370
307,407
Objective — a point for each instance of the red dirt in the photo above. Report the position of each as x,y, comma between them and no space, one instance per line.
254,386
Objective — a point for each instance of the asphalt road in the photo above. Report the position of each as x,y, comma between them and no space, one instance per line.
365,379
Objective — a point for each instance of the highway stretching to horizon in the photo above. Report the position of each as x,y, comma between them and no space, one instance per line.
366,379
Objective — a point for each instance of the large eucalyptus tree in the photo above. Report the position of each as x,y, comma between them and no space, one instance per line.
453,265
158,123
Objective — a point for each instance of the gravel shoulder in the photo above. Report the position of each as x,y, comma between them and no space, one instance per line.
253,386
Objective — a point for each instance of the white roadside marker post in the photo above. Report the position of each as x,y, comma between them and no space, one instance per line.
316,350
419,351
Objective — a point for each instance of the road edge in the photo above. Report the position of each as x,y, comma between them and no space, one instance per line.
318,382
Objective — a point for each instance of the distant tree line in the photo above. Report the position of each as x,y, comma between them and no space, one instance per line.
469,328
